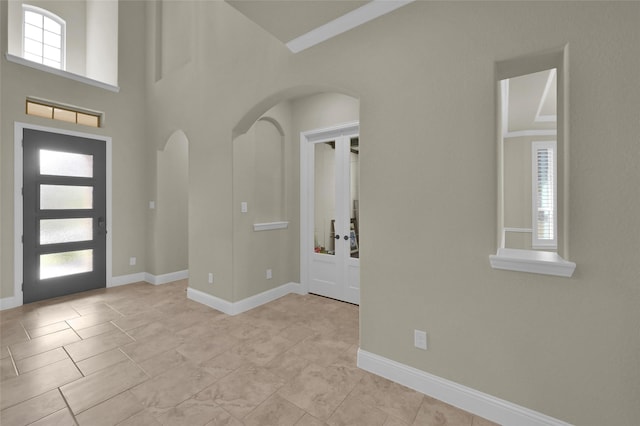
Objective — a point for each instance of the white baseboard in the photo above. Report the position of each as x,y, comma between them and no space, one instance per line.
210,301
471,400
147,277
126,279
166,278
13,302
10,302
235,308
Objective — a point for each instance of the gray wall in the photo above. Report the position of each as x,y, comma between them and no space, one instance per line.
424,76
425,79
264,155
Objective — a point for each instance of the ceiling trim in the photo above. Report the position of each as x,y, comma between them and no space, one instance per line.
355,18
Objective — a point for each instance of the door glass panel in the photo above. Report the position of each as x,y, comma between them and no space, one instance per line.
59,163
57,197
67,263
354,229
54,231
325,195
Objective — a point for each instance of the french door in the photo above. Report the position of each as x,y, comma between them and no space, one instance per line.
330,195
64,214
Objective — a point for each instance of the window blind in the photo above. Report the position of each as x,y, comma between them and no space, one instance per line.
544,194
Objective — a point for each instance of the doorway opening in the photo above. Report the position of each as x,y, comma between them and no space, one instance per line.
168,250
267,176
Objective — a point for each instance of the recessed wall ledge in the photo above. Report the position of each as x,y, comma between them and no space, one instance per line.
62,73
536,262
269,226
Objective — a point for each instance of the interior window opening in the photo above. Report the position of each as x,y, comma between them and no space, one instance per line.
532,147
529,132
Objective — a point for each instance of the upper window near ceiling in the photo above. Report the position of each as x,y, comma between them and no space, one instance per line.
77,40
43,37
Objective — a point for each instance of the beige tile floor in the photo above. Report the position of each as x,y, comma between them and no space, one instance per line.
146,355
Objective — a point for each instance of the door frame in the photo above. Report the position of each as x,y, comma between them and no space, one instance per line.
18,157
307,139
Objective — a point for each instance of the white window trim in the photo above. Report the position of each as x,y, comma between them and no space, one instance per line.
62,73
538,243
533,261
63,31
270,226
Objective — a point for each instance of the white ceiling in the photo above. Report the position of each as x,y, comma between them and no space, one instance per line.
532,102
301,24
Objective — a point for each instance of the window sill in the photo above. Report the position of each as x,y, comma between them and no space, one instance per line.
66,74
536,262
270,226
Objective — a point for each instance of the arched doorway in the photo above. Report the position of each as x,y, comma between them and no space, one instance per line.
267,260
170,241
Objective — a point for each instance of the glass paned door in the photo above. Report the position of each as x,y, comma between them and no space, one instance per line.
332,242
324,198
64,209
354,197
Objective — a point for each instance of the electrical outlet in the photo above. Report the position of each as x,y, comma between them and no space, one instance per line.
420,339
152,205
269,274
132,261
210,277
243,207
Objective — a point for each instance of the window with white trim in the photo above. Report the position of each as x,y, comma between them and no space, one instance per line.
43,37
544,214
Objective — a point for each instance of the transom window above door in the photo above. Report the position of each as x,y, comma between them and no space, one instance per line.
43,37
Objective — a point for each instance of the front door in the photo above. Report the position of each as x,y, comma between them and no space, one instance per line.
64,208
332,242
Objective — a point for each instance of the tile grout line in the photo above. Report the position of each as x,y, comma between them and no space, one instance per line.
13,362
134,414
73,416
111,307
26,331
74,330
270,395
149,377
73,362
347,396
67,404
83,376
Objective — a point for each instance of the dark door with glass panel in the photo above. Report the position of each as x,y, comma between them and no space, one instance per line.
64,201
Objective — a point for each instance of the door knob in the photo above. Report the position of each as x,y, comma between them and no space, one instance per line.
337,237
346,238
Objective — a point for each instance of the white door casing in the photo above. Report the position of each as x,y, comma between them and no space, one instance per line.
334,275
